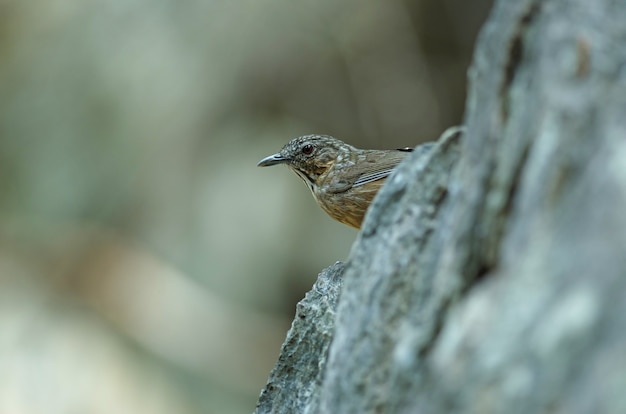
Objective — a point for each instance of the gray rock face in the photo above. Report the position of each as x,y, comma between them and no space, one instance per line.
499,287
293,385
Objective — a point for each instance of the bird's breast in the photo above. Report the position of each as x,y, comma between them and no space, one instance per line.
348,206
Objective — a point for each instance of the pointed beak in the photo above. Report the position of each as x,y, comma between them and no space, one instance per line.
272,160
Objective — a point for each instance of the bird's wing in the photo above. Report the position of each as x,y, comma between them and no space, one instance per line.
389,161
372,166
381,165
372,176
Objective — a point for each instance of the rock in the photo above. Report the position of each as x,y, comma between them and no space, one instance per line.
293,385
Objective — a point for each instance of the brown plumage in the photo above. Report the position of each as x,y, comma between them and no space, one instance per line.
342,178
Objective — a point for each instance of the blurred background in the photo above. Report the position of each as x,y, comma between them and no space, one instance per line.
146,264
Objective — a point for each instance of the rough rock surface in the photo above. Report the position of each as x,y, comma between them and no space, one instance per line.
500,288
294,382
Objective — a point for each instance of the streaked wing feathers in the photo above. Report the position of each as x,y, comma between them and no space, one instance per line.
372,166
373,176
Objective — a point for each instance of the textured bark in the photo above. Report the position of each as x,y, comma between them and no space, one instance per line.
502,288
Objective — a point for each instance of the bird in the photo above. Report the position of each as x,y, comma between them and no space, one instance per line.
343,179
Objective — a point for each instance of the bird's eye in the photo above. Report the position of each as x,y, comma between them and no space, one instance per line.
307,149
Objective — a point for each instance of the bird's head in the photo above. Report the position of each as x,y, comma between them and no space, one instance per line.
310,156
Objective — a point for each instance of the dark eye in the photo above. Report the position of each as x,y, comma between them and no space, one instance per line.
307,149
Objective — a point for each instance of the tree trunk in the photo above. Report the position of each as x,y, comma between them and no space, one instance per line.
499,285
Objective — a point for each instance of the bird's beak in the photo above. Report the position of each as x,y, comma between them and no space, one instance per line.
272,160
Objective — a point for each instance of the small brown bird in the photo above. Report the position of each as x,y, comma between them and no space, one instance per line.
342,178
